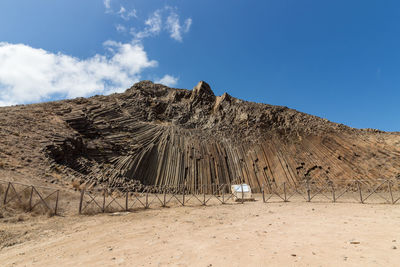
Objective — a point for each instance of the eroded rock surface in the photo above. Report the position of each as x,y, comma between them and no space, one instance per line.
156,135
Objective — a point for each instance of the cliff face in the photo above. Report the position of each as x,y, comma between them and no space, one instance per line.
157,135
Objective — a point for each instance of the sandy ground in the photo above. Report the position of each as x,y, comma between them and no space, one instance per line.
250,234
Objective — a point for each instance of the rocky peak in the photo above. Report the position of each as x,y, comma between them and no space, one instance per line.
202,93
221,101
149,89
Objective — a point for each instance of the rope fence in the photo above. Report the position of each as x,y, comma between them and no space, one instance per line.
101,200
29,197
120,199
359,190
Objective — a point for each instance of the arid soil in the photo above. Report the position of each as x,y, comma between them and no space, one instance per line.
250,234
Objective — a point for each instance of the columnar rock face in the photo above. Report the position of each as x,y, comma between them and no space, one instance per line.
155,135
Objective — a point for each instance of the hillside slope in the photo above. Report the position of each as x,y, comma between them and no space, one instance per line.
158,135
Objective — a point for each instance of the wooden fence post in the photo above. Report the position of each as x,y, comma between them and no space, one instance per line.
223,193
56,207
333,193
308,190
390,190
6,193
165,197
241,185
104,200
30,199
183,197
359,190
126,200
263,193
204,194
81,200
284,192
147,199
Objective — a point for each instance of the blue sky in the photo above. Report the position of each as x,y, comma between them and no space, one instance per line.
336,59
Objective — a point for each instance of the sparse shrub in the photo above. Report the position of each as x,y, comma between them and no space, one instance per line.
91,210
21,204
56,176
57,169
50,213
76,184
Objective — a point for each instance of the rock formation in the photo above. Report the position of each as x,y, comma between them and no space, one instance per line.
156,135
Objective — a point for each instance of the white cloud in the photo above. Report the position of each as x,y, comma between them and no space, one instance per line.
123,13
174,27
156,23
188,23
120,28
127,15
107,4
30,75
153,27
122,10
168,80
162,19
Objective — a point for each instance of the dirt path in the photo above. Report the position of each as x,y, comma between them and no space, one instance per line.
253,234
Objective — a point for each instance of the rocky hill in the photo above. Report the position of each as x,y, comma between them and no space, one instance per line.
156,135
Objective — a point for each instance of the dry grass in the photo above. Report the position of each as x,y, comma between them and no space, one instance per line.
19,204
8,238
91,210
76,184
